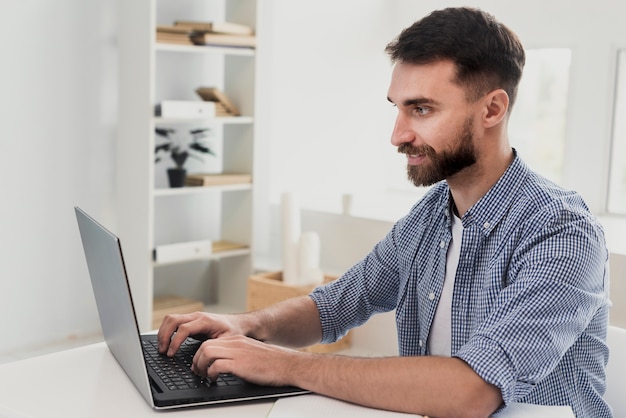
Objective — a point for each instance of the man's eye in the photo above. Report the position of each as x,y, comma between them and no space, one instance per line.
421,110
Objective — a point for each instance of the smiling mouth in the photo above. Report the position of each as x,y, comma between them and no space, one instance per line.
414,152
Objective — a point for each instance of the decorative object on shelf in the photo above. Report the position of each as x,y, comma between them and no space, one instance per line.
221,179
185,109
207,33
290,234
182,251
176,176
179,151
215,27
268,288
223,105
300,250
309,259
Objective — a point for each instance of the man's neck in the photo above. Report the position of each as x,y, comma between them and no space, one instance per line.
469,185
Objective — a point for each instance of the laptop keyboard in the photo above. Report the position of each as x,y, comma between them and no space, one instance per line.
175,372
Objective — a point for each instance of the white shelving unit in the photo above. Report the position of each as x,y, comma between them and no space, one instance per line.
149,212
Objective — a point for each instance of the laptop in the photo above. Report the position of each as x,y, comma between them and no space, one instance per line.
135,352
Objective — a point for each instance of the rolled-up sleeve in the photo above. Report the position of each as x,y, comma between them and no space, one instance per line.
369,287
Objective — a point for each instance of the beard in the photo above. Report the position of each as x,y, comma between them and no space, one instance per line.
445,163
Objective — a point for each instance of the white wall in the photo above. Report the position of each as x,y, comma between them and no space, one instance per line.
322,91
57,129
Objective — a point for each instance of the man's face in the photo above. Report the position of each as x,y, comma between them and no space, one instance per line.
434,126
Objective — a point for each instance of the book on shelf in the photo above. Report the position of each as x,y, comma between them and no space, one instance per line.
213,94
165,29
221,111
218,179
216,27
173,35
176,40
222,39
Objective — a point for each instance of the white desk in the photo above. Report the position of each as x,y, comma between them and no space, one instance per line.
87,382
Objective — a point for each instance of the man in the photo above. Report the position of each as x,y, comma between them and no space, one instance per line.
498,277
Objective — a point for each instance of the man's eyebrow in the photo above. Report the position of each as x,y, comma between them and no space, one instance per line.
418,101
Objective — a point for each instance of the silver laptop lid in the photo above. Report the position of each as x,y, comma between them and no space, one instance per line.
105,262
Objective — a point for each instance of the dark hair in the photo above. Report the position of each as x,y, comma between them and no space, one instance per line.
487,54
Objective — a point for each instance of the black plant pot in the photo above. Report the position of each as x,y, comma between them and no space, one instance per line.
177,176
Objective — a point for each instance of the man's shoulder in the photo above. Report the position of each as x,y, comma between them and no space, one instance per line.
541,206
540,193
544,195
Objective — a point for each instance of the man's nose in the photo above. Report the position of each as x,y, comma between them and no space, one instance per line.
402,133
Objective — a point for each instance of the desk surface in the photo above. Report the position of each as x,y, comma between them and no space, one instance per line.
88,382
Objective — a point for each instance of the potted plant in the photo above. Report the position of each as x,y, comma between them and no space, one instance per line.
179,151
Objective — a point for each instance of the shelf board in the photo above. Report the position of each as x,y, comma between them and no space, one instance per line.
202,49
235,252
224,120
183,191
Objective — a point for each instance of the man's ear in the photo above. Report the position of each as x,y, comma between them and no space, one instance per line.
496,107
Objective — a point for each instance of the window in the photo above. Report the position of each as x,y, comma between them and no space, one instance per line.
617,181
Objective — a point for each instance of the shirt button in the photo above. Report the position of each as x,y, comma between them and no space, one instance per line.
431,296
442,244
486,225
420,343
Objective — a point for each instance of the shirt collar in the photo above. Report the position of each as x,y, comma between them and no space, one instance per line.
493,206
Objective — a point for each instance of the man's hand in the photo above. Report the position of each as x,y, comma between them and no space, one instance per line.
175,328
291,323
250,359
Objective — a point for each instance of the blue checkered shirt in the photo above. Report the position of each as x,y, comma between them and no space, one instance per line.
530,302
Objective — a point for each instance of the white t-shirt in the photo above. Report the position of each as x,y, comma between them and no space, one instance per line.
440,338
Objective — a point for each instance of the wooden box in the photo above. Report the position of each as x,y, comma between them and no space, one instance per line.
266,289
170,304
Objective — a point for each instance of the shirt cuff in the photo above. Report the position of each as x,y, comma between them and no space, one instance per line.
329,329
494,366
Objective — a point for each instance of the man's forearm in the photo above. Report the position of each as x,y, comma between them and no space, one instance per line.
434,386
291,323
